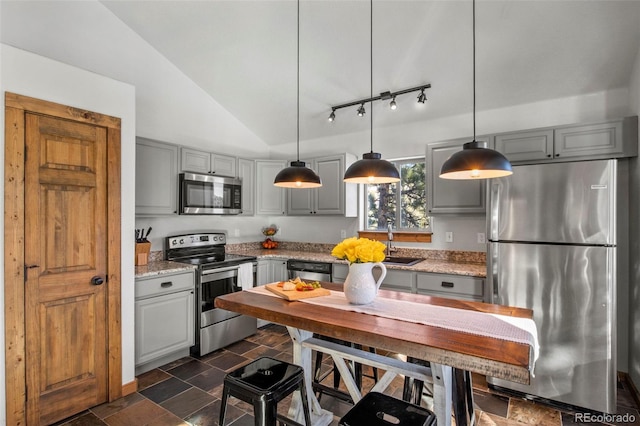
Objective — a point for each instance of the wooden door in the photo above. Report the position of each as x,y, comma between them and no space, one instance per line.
66,265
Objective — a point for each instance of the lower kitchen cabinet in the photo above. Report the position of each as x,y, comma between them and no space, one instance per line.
450,286
395,280
271,270
164,319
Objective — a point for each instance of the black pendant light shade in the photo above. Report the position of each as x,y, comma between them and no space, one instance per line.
372,169
475,161
297,175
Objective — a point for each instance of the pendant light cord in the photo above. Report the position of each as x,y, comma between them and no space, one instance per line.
298,90
474,70
371,70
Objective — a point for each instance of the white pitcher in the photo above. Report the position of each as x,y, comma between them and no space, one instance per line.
360,287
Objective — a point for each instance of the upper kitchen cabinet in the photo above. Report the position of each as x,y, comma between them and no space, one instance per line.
334,197
270,199
610,139
247,172
156,178
195,161
452,196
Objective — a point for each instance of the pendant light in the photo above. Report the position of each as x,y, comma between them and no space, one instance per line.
475,161
372,169
297,175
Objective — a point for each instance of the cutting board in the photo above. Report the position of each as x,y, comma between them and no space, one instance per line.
292,295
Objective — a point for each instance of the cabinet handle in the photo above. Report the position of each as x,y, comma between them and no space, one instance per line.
447,284
166,284
557,155
548,155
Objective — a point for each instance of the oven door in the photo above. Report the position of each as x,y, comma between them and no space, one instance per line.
214,283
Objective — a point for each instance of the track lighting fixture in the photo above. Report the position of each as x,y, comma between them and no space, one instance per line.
475,161
422,98
383,96
297,175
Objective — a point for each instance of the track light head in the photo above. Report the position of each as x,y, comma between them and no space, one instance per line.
361,110
332,116
422,98
393,104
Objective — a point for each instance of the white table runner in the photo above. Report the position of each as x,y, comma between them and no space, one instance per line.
513,329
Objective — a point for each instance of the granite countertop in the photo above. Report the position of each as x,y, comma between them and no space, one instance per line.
160,267
439,266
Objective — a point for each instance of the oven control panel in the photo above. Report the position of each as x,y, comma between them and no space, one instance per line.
196,240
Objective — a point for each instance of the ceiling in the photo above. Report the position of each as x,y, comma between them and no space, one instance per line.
243,53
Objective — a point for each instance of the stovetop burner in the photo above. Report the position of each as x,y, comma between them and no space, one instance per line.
203,250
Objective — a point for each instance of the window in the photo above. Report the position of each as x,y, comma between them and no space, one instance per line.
402,204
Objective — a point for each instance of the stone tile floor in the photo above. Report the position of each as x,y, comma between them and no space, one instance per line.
187,392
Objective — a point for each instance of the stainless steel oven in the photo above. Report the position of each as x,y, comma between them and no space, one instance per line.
218,273
206,194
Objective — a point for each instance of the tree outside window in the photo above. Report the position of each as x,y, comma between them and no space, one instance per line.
403,204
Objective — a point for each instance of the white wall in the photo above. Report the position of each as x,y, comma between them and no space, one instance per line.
32,75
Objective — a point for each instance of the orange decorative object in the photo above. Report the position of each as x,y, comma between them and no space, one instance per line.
269,244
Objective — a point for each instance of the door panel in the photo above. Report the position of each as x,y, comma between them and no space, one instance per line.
65,247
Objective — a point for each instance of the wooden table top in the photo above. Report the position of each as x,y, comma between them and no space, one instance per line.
484,355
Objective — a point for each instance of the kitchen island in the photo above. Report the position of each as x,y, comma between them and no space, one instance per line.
451,353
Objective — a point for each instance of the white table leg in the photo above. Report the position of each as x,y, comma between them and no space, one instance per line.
302,357
442,393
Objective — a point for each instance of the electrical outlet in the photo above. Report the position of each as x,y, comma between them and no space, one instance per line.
236,232
343,233
448,236
481,238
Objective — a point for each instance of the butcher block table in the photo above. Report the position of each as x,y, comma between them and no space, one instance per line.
452,354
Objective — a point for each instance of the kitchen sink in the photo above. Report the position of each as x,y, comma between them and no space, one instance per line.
405,261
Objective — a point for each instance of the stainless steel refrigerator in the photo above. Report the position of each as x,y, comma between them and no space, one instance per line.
552,248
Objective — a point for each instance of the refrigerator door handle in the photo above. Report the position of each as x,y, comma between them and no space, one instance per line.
494,200
492,274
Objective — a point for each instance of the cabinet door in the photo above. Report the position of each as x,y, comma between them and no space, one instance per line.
595,139
451,286
329,198
278,270
223,165
301,202
195,161
156,177
270,199
451,196
526,146
247,172
403,281
262,273
164,324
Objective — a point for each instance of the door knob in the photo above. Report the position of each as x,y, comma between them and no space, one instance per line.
97,280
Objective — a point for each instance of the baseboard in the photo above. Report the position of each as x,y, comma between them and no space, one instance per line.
129,388
626,378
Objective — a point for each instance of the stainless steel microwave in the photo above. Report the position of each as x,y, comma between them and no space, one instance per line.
206,194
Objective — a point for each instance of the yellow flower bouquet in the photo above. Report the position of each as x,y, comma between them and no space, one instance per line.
359,250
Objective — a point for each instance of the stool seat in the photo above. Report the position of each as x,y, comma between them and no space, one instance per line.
263,383
377,409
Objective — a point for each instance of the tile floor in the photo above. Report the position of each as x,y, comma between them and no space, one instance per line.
187,392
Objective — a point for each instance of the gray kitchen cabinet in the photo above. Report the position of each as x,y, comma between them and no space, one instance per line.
270,199
156,178
610,139
450,286
247,172
396,280
195,161
271,270
452,196
164,319
334,197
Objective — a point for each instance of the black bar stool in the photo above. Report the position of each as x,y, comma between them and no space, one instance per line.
377,409
263,383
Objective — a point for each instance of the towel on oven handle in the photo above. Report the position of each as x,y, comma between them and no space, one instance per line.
245,276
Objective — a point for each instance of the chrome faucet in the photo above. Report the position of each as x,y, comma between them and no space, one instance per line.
389,240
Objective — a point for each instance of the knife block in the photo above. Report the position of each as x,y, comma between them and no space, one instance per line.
142,253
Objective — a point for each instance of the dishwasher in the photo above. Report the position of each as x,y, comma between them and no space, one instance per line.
309,270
